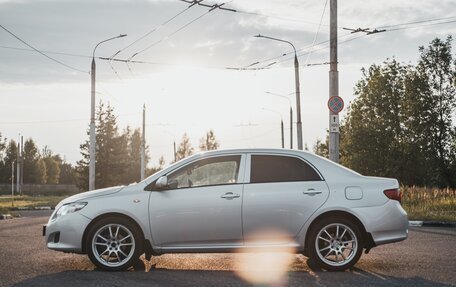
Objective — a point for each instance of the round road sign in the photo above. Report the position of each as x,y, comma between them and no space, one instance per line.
335,104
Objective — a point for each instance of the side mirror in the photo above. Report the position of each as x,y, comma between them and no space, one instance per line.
161,183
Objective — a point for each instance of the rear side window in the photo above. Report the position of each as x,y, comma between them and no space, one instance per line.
275,168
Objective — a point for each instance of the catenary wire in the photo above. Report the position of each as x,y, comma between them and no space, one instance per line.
38,51
316,34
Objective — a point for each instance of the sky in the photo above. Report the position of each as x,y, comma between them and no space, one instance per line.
183,79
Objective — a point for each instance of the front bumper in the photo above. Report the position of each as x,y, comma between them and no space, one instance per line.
65,233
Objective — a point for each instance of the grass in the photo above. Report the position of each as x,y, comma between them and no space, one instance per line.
422,203
27,201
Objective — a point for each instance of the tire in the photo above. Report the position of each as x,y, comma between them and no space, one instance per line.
335,244
114,244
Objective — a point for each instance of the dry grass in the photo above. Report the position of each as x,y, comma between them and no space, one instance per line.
422,203
26,201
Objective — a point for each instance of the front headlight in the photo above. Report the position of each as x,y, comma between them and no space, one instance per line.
68,208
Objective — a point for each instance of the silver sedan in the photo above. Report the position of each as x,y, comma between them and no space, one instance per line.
234,200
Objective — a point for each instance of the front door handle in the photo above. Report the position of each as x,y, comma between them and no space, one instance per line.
312,191
230,195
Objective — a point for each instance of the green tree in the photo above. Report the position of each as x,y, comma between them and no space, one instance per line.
117,154
185,148
52,163
436,64
34,167
401,123
111,160
209,142
67,173
372,127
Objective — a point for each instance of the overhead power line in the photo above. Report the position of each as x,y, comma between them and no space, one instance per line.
318,31
192,3
153,30
38,51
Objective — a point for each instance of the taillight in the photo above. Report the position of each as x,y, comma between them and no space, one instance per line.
394,194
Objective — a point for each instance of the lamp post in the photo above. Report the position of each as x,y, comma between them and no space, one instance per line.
298,93
281,125
291,116
92,117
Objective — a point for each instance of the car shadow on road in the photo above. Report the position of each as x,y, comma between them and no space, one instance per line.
169,277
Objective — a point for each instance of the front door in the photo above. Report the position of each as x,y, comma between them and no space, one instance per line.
202,205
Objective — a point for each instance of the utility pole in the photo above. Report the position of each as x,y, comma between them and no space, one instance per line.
281,125
143,143
175,155
297,86
92,145
22,165
12,184
334,135
291,115
283,139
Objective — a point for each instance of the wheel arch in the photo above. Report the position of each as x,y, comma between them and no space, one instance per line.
107,215
368,241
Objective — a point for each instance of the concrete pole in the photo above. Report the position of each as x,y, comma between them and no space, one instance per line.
298,102
93,143
92,129
12,184
291,127
334,135
283,139
18,169
143,144
21,172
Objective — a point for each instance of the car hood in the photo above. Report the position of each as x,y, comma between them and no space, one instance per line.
91,194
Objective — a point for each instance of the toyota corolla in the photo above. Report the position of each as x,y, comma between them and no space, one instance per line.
219,201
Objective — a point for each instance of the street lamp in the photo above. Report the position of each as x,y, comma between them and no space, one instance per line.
92,117
291,116
298,93
281,124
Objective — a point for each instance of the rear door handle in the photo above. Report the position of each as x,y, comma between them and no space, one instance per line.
230,195
312,191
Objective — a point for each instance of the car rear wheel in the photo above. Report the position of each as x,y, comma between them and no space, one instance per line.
114,244
336,244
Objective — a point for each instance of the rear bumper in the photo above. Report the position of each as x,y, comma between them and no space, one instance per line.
387,223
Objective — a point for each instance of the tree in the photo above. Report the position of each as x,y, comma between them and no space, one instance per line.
111,158
321,148
117,158
208,142
52,163
34,166
67,173
185,148
438,67
372,126
401,123
161,164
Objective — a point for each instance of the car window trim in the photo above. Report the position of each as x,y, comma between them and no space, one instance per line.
240,169
249,168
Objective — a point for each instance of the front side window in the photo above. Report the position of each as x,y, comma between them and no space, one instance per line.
211,171
275,168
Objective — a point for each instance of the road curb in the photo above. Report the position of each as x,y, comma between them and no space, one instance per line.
417,223
6,216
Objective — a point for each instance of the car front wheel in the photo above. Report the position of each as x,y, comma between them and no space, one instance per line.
336,244
114,244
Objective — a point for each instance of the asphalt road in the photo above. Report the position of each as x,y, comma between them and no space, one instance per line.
427,258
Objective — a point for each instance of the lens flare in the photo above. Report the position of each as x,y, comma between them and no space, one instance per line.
266,263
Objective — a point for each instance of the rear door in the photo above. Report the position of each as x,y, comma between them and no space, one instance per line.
283,191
